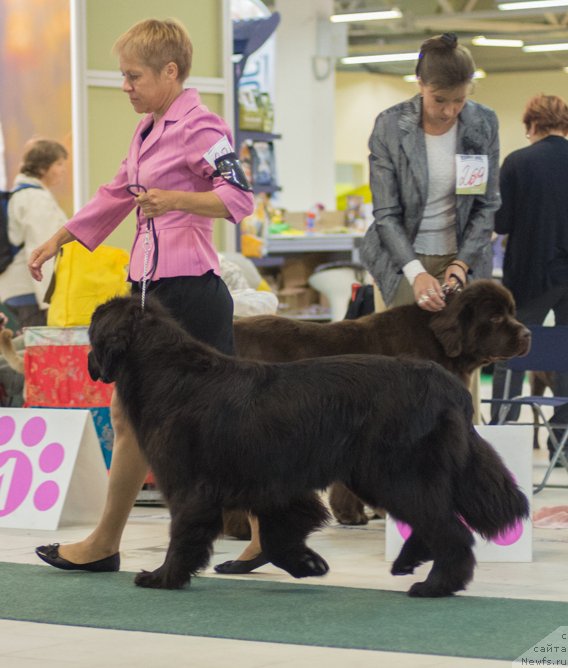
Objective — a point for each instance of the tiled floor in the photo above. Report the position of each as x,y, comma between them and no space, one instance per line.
144,543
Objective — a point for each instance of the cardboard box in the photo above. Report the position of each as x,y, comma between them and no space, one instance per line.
296,271
55,369
328,220
295,300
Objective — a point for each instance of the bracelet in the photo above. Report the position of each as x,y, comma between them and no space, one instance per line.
457,264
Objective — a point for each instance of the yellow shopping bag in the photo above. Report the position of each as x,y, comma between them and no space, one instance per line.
83,280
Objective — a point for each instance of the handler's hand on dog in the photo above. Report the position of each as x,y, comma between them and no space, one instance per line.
156,202
428,293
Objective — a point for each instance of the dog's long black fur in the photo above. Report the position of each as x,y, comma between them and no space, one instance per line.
225,433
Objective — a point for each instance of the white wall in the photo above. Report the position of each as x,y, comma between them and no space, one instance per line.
359,97
304,109
508,95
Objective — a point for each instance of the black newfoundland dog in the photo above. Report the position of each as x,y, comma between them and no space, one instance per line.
220,432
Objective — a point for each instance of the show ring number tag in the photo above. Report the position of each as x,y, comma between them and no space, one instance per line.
472,172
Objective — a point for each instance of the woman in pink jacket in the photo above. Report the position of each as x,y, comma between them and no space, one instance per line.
181,172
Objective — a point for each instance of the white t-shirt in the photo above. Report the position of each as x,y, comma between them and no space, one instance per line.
437,233
34,216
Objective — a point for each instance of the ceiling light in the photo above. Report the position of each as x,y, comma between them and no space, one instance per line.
540,48
532,4
489,41
366,16
382,58
478,74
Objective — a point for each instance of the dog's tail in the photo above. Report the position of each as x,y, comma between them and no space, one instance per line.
486,496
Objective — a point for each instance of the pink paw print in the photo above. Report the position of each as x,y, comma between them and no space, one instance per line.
21,474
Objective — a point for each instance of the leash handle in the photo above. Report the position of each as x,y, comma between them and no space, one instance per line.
135,189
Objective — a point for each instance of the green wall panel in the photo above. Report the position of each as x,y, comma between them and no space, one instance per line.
111,125
108,19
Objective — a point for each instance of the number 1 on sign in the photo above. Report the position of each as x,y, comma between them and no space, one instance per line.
7,470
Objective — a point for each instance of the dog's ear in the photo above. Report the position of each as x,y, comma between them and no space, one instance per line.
104,361
447,328
111,332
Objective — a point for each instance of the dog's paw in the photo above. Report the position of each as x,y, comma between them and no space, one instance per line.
351,519
429,590
308,565
157,580
402,568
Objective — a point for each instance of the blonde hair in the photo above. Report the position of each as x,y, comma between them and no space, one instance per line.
40,155
156,43
547,113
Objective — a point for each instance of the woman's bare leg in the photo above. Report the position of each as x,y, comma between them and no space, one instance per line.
127,474
251,557
253,549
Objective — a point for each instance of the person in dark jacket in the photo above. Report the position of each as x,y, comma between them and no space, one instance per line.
534,215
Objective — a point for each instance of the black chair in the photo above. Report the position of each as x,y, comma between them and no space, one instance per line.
549,352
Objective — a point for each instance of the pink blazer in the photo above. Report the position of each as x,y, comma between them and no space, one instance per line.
178,154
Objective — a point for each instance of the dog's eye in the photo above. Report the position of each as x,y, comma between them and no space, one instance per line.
497,319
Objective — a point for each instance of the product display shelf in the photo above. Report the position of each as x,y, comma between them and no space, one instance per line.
248,36
316,243
256,135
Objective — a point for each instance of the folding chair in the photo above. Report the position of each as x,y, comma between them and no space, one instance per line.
549,352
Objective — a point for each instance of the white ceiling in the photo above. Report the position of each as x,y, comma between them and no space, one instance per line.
467,18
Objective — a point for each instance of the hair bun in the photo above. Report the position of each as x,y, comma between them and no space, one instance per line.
450,39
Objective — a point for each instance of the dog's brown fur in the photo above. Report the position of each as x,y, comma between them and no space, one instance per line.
478,326
13,357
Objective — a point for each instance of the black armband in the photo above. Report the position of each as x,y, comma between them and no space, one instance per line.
230,168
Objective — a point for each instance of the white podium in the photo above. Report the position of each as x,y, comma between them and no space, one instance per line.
52,470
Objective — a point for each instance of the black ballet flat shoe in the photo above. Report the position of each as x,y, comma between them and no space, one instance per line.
239,567
50,554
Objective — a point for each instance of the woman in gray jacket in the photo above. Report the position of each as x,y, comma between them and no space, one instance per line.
434,165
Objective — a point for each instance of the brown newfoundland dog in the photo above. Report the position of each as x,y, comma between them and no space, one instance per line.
478,326
225,432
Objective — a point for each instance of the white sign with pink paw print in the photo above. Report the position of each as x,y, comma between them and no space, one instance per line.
52,470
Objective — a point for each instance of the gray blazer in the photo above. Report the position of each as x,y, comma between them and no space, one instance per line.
399,183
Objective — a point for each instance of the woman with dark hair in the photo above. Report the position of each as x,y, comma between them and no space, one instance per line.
534,215
434,165
33,217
